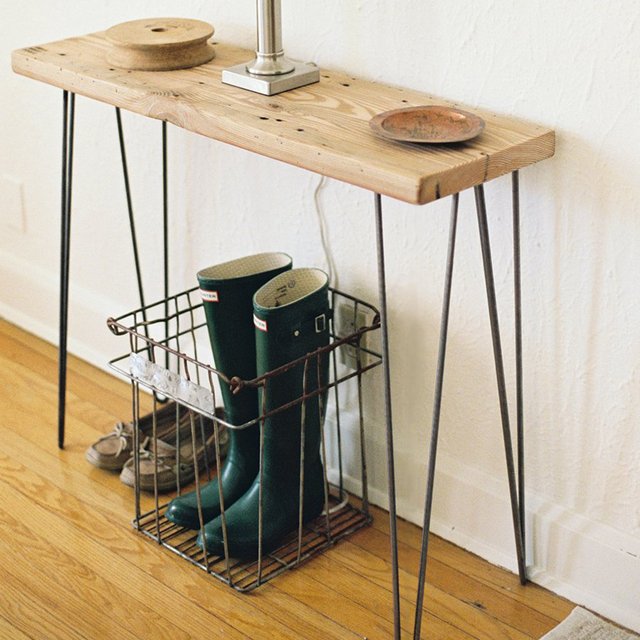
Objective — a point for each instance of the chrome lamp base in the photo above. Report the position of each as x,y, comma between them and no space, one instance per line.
269,85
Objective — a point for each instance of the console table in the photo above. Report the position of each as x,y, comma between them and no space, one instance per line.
323,128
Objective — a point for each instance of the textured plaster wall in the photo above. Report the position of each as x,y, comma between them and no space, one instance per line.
569,65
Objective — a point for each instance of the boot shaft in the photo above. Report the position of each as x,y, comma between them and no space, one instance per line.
227,291
291,314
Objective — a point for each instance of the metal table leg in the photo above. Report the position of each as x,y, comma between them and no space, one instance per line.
391,482
66,184
68,118
132,228
435,423
127,189
165,230
165,209
500,377
517,295
516,489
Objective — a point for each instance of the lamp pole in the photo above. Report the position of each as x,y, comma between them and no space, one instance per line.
270,60
270,72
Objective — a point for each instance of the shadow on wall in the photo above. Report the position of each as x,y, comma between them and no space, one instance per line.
588,443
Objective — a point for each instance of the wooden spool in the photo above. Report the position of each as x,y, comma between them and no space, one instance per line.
160,44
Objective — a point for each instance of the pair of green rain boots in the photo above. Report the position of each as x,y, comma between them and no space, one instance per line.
290,311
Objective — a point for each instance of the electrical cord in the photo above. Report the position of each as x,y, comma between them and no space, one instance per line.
333,280
322,224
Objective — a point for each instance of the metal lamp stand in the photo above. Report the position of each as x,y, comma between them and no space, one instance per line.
270,72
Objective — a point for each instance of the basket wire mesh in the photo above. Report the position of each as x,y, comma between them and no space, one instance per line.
167,341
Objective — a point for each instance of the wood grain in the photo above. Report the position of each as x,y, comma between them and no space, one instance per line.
72,567
443,553
322,127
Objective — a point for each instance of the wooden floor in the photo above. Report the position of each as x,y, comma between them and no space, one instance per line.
72,567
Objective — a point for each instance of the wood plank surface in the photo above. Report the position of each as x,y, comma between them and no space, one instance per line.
71,566
322,127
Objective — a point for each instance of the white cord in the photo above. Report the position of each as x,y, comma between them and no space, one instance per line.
322,224
337,507
333,280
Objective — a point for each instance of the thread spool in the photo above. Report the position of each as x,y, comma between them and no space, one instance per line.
160,44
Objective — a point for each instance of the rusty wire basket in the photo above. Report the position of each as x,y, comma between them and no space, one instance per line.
167,354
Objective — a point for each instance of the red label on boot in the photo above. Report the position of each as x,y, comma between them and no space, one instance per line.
209,296
260,324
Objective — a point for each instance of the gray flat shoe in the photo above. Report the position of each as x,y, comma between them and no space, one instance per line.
112,451
164,456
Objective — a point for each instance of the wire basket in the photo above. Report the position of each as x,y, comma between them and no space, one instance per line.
168,349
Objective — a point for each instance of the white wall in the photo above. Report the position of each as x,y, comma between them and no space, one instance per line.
569,65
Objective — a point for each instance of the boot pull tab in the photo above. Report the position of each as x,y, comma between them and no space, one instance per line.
313,325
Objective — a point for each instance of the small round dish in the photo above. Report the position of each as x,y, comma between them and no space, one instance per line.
432,124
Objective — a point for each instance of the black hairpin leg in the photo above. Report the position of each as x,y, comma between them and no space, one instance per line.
68,117
391,483
165,229
435,423
517,288
132,226
500,377
165,209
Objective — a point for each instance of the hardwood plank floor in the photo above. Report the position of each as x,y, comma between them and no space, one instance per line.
72,567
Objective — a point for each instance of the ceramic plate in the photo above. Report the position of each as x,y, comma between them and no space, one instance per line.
428,124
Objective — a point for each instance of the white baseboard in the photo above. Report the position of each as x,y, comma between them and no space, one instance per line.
29,298
587,562
583,560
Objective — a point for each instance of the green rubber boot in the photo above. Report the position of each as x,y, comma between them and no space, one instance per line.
291,314
227,290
